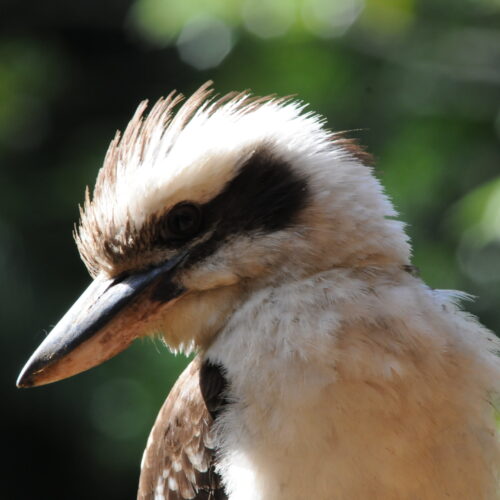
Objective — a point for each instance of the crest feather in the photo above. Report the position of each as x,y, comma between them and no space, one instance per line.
100,237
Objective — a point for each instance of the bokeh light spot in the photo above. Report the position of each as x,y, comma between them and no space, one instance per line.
325,18
268,19
204,42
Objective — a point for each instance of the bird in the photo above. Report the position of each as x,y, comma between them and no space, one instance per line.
242,230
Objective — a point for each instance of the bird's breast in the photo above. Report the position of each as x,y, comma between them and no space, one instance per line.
274,353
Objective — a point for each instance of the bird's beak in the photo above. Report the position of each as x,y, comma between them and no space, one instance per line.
108,316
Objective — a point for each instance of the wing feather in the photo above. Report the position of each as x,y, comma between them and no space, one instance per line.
178,462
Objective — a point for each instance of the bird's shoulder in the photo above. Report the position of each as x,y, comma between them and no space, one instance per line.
179,460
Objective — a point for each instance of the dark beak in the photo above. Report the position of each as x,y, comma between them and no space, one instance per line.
108,316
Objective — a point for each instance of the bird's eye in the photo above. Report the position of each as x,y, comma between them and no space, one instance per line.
184,220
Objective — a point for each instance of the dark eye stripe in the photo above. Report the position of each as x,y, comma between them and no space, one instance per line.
266,195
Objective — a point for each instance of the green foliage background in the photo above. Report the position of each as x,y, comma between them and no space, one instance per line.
418,81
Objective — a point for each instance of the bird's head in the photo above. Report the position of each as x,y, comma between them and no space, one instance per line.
195,210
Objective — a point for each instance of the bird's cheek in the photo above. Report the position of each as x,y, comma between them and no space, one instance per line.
197,317
209,277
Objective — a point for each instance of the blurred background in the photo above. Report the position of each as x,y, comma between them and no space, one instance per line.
417,80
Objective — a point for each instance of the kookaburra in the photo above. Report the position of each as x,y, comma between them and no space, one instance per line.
242,229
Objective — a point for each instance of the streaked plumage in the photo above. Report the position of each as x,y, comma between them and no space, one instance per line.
178,462
242,229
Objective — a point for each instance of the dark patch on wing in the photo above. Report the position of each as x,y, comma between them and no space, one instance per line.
213,385
178,462
266,195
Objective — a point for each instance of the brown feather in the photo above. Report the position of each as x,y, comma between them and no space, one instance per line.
353,148
179,460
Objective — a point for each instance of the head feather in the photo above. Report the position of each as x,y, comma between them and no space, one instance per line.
191,152
106,230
